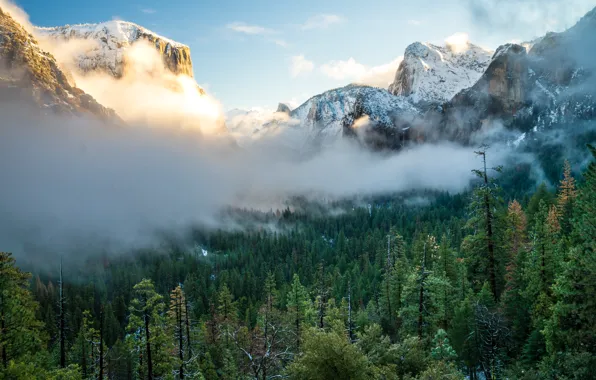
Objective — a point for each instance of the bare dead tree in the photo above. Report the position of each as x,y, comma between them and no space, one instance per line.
489,219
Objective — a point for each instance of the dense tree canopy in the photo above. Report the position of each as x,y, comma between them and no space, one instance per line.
477,284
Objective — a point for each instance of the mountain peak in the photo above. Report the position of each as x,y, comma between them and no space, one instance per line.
284,108
434,74
112,38
29,72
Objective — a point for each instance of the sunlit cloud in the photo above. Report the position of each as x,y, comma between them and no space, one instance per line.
353,71
341,70
242,27
321,21
458,42
300,65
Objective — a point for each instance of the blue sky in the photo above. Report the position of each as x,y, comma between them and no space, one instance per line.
260,52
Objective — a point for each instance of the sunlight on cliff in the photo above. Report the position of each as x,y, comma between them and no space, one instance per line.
147,93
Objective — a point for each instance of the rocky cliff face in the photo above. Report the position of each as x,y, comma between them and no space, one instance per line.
111,39
29,74
434,74
551,87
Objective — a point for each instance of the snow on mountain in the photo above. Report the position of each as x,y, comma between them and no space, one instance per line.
326,117
109,41
323,119
432,73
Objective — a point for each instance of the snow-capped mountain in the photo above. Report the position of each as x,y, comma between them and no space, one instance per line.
333,114
32,75
109,42
351,111
434,74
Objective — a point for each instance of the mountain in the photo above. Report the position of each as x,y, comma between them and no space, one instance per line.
434,74
27,73
333,114
552,83
111,39
282,107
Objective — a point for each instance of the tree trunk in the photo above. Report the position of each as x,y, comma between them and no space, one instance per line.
180,335
491,247
84,357
62,323
148,341
2,332
101,333
187,322
420,310
297,322
543,266
421,296
350,327
140,364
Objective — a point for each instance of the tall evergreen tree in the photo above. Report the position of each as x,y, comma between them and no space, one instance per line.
482,244
297,304
146,324
571,330
20,331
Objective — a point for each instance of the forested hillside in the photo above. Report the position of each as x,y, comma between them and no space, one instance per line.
475,285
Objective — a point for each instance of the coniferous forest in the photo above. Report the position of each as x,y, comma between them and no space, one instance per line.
485,284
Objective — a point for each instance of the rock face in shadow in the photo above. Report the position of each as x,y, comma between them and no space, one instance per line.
30,75
499,93
551,86
283,108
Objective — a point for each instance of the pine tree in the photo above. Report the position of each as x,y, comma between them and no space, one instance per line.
329,355
446,279
147,328
226,314
62,319
422,295
566,199
570,331
442,349
513,300
322,295
176,320
482,245
20,331
297,303
394,278
89,349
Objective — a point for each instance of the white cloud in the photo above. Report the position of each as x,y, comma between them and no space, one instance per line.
414,22
242,27
300,65
148,11
321,21
351,70
341,70
382,75
281,43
